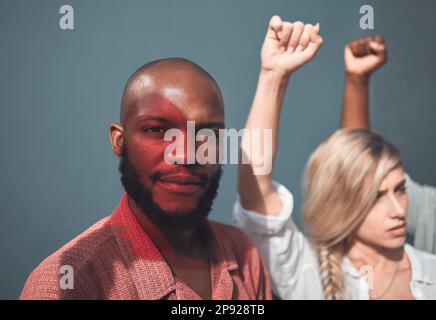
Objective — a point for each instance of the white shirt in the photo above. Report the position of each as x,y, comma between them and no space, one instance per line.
293,264
421,215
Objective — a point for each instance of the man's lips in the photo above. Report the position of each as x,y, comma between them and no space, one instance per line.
182,183
182,179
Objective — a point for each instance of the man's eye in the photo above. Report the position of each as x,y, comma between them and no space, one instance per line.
154,130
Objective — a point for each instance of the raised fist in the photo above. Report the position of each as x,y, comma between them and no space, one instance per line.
288,46
364,56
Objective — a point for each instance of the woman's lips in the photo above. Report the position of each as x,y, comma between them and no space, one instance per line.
398,231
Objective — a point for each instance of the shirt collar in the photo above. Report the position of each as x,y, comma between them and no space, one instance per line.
420,272
222,263
151,274
418,266
349,268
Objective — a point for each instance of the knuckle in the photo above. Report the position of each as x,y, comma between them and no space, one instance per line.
298,24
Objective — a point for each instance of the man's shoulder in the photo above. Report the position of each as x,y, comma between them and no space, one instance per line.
80,253
80,249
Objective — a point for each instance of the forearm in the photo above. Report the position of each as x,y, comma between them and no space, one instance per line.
355,110
266,107
355,113
286,48
254,189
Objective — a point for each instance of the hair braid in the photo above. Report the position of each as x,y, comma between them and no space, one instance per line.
331,273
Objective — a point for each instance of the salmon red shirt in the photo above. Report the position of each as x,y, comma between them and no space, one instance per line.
116,259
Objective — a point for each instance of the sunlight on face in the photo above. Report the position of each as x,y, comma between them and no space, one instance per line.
385,224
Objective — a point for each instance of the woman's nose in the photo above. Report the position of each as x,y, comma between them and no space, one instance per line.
397,209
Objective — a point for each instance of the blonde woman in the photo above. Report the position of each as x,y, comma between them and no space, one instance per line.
354,206
362,57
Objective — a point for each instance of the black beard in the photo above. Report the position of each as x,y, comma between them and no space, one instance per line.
182,219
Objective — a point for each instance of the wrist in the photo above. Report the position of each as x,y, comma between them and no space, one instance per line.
274,78
357,79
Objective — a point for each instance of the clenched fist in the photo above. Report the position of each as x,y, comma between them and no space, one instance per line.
288,46
364,56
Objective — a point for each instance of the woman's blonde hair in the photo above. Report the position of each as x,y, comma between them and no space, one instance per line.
341,182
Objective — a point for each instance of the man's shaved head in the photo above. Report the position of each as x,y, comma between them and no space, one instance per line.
175,73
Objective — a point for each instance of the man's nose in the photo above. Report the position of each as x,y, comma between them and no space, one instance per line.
186,151
181,157
396,209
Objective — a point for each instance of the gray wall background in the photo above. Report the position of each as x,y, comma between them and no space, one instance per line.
61,89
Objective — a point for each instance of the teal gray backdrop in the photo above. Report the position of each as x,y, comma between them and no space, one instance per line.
61,89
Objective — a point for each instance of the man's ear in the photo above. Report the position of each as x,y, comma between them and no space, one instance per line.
116,136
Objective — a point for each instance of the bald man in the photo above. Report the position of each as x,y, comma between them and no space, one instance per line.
158,242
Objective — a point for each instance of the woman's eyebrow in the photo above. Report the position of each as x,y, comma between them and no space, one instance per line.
401,184
381,193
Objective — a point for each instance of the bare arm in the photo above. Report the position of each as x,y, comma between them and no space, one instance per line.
286,48
361,58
